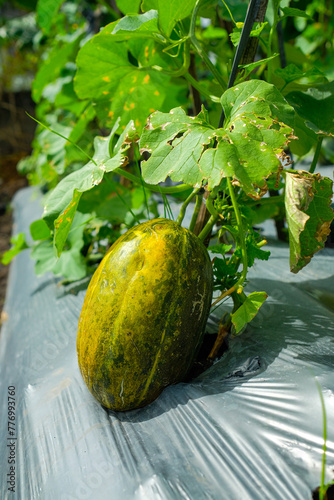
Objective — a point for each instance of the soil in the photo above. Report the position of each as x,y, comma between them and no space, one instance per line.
16,134
10,182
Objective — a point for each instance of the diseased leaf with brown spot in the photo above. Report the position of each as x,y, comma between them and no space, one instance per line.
115,72
308,213
247,149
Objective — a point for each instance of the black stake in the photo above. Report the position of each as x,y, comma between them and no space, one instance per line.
252,12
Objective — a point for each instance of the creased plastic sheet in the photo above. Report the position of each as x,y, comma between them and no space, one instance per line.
248,428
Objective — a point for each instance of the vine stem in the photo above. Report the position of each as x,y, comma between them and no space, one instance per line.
200,88
63,137
316,154
152,187
237,286
185,204
199,48
199,199
212,220
241,235
207,228
223,295
270,42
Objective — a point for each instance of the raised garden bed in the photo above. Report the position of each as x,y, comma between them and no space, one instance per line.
250,427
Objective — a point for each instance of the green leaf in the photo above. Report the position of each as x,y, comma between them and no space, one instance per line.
105,203
291,72
60,197
316,107
172,155
81,126
46,11
308,213
251,66
78,182
44,256
307,139
246,312
258,98
138,94
225,272
39,230
54,145
64,221
247,149
247,160
149,4
119,88
71,264
256,31
214,33
221,248
253,251
128,6
292,12
67,99
173,11
141,25
101,62
52,67
18,244
128,135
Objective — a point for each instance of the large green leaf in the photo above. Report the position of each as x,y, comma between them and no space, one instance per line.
316,107
138,94
119,88
308,213
176,142
102,63
247,149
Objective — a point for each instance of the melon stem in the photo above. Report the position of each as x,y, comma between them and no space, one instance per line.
211,222
185,204
198,203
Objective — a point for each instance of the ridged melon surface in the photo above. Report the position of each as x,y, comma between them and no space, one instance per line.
144,314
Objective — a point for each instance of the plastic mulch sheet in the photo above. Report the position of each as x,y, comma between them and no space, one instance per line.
251,427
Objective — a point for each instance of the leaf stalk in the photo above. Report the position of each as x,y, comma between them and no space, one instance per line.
316,154
199,48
